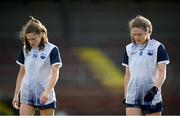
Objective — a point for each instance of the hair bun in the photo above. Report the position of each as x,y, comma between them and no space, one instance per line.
31,18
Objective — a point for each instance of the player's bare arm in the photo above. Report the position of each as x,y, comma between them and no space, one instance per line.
162,75
126,80
20,76
55,75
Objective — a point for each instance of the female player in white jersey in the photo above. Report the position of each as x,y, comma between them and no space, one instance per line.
39,62
145,60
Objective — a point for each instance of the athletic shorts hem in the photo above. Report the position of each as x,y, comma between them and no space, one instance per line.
51,105
158,107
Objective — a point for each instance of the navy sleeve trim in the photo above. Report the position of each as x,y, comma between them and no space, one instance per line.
125,61
162,54
55,56
21,58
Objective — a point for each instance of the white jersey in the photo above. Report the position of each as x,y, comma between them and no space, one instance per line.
37,64
142,62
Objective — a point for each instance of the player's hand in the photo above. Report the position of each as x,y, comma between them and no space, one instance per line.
150,94
44,97
15,102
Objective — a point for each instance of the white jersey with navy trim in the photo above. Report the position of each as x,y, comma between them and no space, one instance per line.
142,62
37,64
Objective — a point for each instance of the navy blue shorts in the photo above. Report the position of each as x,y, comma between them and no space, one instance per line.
147,108
48,106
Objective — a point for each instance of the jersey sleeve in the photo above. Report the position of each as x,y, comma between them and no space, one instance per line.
20,59
162,55
55,57
125,61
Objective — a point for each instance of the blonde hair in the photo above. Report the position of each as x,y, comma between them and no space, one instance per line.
33,26
140,22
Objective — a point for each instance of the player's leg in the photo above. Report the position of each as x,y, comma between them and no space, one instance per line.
155,114
49,112
26,110
133,111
